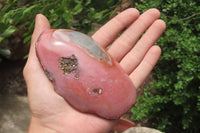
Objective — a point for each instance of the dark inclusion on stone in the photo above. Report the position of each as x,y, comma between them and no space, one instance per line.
97,91
68,64
48,75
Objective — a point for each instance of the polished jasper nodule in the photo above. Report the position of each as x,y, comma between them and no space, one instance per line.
84,74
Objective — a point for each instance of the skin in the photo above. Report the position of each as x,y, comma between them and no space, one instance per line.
137,55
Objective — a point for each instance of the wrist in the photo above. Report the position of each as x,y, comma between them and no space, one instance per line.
37,127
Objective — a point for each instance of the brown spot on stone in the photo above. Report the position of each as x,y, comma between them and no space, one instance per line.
68,64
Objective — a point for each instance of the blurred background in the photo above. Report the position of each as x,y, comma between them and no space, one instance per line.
169,100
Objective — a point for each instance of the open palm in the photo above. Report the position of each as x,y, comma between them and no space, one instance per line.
137,56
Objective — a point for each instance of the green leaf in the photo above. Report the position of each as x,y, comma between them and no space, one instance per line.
8,32
5,52
68,17
87,2
77,9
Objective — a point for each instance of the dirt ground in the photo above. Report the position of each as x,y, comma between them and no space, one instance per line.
11,79
14,108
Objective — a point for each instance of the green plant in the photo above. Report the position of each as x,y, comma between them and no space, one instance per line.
172,103
18,15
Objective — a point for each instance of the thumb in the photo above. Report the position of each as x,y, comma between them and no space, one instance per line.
37,83
32,67
41,24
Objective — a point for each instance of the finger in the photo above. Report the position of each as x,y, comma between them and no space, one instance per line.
139,75
32,68
135,56
106,34
41,25
40,89
130,36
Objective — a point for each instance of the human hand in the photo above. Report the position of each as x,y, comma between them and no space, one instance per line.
137,56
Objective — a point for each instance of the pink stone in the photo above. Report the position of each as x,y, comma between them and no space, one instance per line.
84,74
